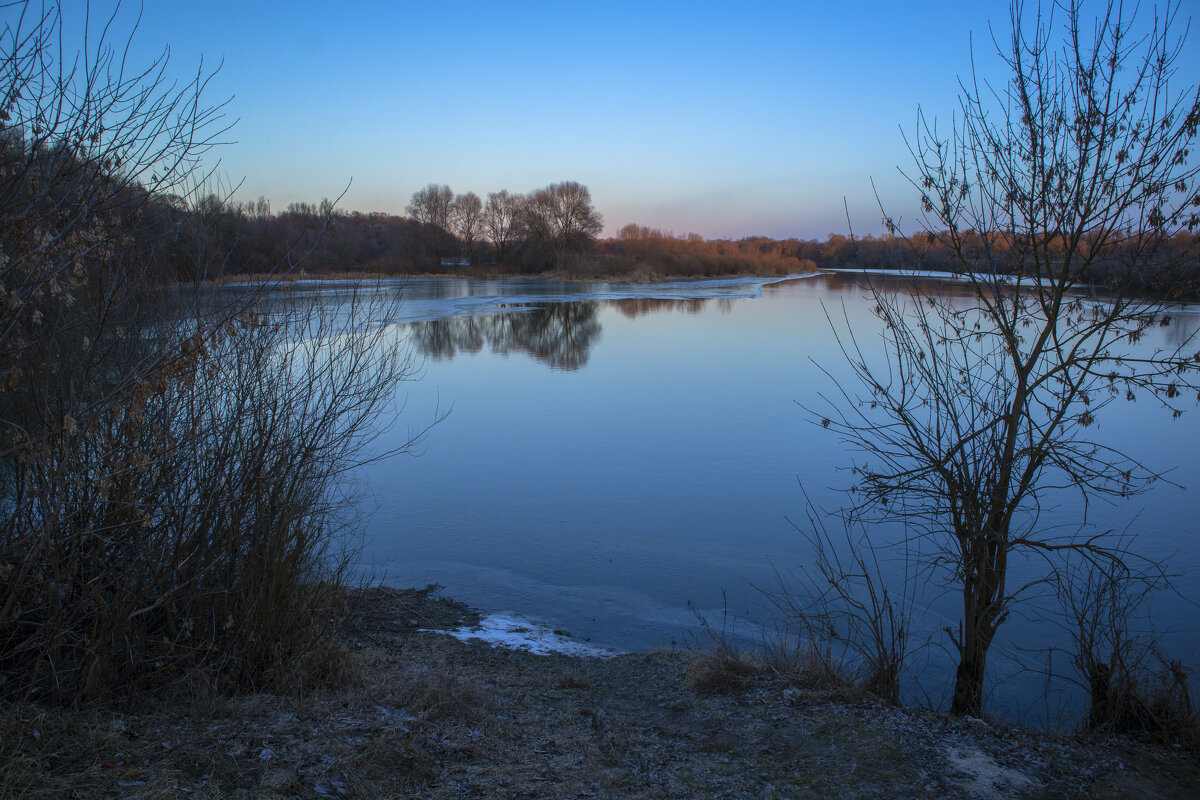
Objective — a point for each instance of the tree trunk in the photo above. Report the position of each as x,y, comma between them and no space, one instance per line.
968,684
985,560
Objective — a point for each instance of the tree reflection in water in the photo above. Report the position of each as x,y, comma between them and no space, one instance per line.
634,307
558,334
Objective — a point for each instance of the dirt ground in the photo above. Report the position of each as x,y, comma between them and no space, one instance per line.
428,716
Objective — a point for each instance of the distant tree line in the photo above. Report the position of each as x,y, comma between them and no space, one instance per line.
546,229
637,248
555,229
648,251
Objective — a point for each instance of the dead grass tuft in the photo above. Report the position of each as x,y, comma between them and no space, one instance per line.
723,670
573,680
439,695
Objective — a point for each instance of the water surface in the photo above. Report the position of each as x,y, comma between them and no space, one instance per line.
620,457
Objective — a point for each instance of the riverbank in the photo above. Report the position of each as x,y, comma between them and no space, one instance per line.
423,714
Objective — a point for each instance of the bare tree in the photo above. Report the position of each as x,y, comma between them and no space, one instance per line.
432,206
501,219
1056,194
466,217
561,218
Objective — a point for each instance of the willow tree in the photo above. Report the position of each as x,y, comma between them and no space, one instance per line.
1067,197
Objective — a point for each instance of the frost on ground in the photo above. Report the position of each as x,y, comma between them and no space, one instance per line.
980,776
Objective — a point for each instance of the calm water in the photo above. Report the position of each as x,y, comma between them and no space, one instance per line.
615,454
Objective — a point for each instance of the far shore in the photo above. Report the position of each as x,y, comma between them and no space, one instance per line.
636,277
296,276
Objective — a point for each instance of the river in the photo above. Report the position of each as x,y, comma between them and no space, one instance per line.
620,460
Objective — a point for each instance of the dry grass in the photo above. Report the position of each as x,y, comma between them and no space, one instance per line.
573,680
436,694
723,670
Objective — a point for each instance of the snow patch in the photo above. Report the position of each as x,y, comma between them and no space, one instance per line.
519,633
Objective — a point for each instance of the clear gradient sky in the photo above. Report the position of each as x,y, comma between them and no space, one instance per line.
728,119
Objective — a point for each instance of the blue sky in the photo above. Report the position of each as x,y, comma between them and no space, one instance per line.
728,119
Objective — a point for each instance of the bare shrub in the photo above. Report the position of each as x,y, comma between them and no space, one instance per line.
845,604
803,650
174,464
203,519
803,644
1132,687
